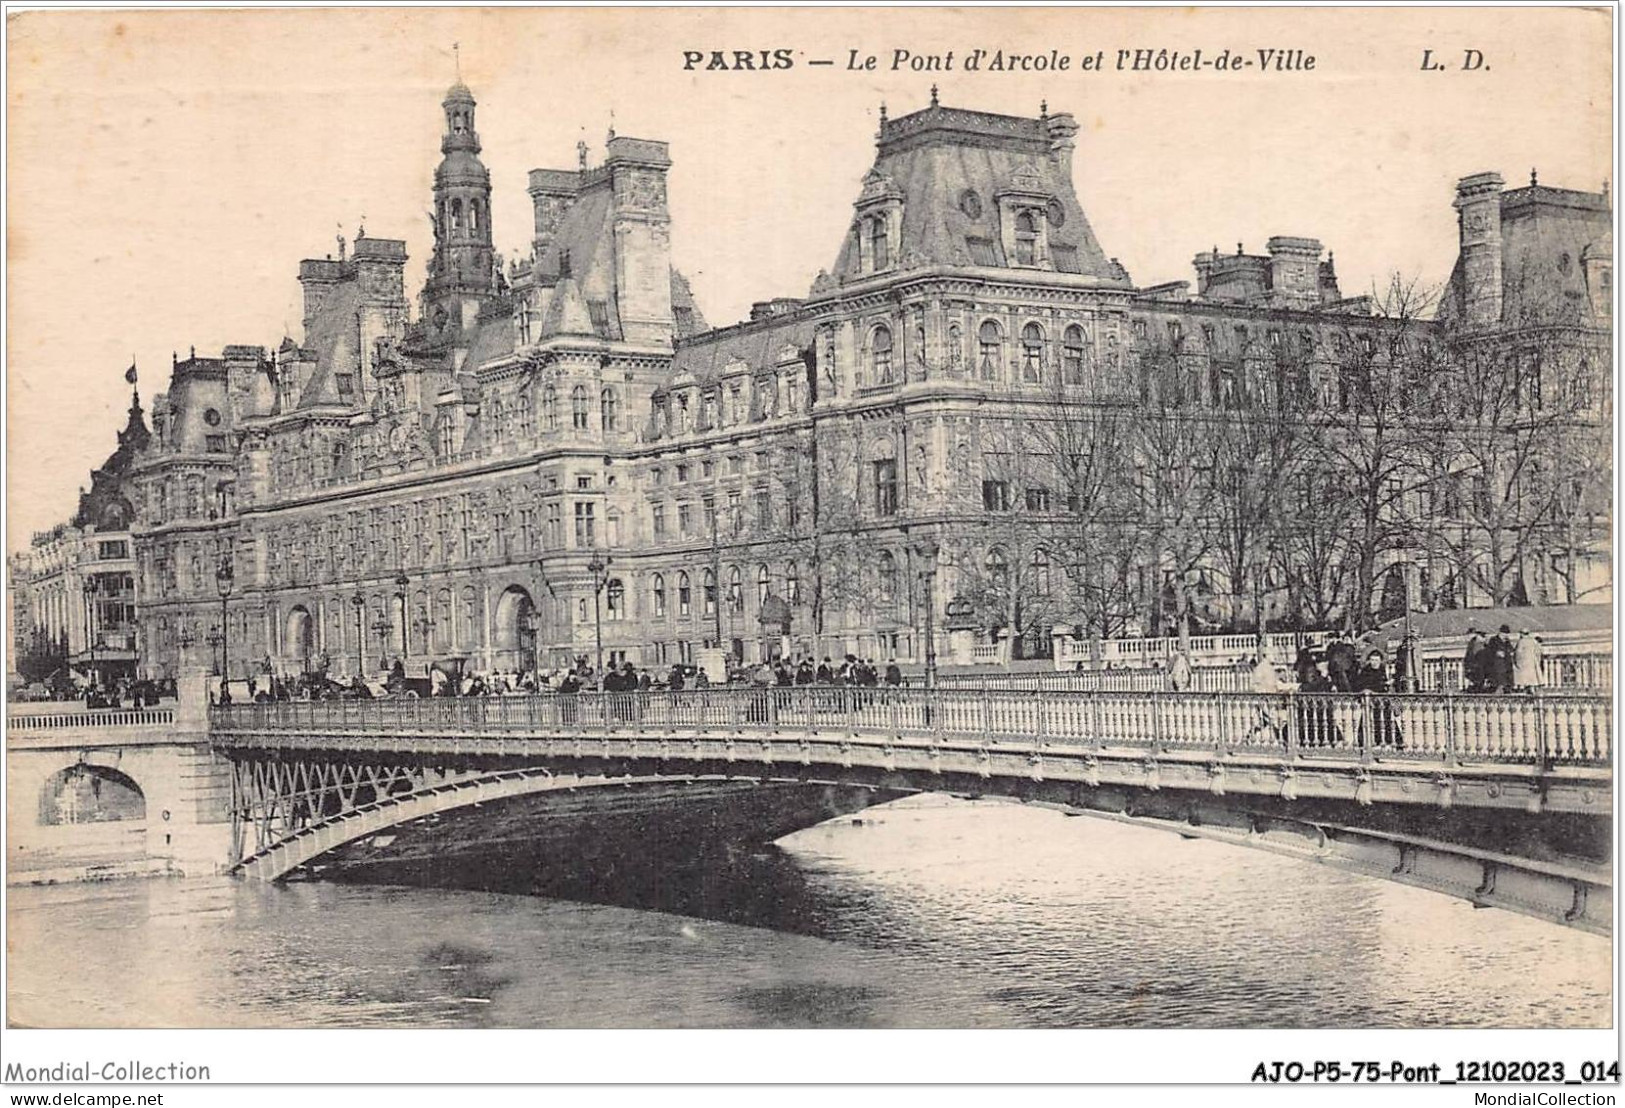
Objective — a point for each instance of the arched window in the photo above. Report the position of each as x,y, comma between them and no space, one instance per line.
1041,572
1026,239
456,215
614,599
474,216
879,247
710,589
609,410
1072,355
880,355
685,598
1032,353
792,583
956,347
736,591
764,585
578,408
550,408
990,339
660,596
998,569
888,577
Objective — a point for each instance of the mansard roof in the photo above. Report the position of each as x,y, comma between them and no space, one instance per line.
758,345
580,264
331,336
949,167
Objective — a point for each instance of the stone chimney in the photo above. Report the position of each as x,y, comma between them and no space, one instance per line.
1478,204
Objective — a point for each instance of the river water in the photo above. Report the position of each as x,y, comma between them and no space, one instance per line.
929,912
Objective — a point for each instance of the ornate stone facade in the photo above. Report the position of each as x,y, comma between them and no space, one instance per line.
563,452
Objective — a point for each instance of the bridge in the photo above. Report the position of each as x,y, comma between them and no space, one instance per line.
1505,801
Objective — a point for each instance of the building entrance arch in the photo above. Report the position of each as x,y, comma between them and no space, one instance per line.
298,638
514,630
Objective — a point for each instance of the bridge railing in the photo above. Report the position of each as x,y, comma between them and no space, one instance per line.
96,720
1443,727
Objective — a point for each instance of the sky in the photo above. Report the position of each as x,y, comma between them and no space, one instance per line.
167,170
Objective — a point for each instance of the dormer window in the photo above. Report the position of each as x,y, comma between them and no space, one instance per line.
1026,239
879,245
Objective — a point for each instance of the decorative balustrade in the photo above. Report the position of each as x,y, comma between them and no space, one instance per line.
92,720
1451,729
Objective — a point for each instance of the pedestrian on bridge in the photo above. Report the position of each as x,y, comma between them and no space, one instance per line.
1340,663
1472,662
1527,656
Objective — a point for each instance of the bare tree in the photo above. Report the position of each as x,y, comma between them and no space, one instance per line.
1375,408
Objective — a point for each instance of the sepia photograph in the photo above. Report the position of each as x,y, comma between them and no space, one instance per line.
740,518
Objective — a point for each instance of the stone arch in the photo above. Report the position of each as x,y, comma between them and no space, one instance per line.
514,629
85,793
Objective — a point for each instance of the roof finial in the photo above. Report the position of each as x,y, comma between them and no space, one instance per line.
882,113
1238,248
194,351
361,229
457,60
933,95
581,153
340,238
611,125
1534,180
1043,109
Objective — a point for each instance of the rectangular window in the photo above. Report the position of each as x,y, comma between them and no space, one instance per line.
214,444
735,517
886,487
555,527
1038,499
685,519
115,548
709,508
657,518
585,535
708,468
996,496
682,473
764,510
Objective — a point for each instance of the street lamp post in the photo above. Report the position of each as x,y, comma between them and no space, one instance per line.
928,552
400,594
359,602
596,567
90,625
223,576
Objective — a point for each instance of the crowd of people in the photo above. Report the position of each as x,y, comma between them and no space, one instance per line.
127,692
781,672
